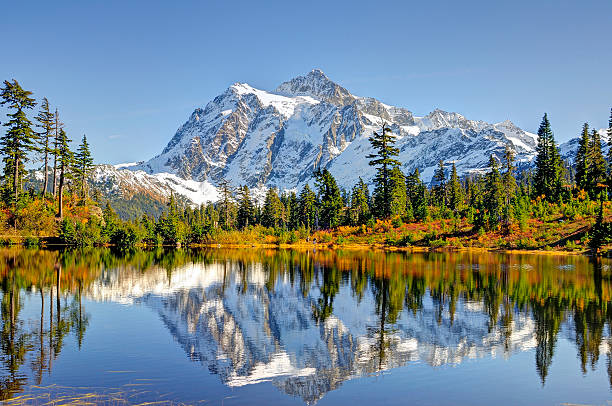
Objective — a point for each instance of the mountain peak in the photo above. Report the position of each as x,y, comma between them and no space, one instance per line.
317,85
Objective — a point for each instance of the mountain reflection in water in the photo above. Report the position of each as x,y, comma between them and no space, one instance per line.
308,321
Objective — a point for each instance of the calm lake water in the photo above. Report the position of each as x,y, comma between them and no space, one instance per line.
294,327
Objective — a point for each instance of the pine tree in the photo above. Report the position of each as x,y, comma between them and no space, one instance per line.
246,208
439,188
610,151
597,164
226,205
20,139
46,122
416,192
383,143
548,177
83,165
360,203
307,206
65,160
509,184
272,215
330,199
455,195
582,158
293,211
398,200
494,195
55,152
508,179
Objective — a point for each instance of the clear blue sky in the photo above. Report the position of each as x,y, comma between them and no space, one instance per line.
129,73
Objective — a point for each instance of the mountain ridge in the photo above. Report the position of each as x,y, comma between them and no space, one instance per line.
278,138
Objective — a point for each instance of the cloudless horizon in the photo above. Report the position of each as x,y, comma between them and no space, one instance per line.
128,74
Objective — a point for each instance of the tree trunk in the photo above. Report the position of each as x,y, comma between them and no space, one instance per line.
55,154
60,212
16,180
46,183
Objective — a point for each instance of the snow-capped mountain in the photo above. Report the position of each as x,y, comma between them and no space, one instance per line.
278,138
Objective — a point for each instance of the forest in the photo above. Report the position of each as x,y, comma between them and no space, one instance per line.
550,205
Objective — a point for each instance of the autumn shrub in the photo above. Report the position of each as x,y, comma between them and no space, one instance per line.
527,243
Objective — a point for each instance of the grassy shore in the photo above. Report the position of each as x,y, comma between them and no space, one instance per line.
557,235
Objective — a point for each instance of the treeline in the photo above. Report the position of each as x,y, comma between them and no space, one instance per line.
43,139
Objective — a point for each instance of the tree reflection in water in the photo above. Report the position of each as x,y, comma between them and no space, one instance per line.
553,292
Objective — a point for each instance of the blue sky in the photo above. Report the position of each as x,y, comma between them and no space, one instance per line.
129,73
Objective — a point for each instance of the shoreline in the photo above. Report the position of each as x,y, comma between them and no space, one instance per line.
51,242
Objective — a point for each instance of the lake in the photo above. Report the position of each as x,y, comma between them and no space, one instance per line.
284,327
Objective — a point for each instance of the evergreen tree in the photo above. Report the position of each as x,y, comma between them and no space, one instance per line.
272,215
416,192
293,211
83,165
360,203
57,127
610,151
383,143
246,208
307,206
65,160
439,187
597,164
582,158
398,192
227,209
547,180
20,139
509,184
46,122
455,195
329,198
494,194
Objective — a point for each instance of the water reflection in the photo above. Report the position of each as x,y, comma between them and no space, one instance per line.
308,321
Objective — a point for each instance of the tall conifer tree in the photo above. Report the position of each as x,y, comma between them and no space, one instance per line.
398,192
20,139
383,143
455,197
610,152
272,214
330,199
65,160
417,195
582,158
307,206
46,122
597,164
58,126
439,187
360,205
548,176
494,195
226,204
246,208
83,165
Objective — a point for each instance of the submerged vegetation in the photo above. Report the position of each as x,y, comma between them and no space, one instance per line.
555,205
